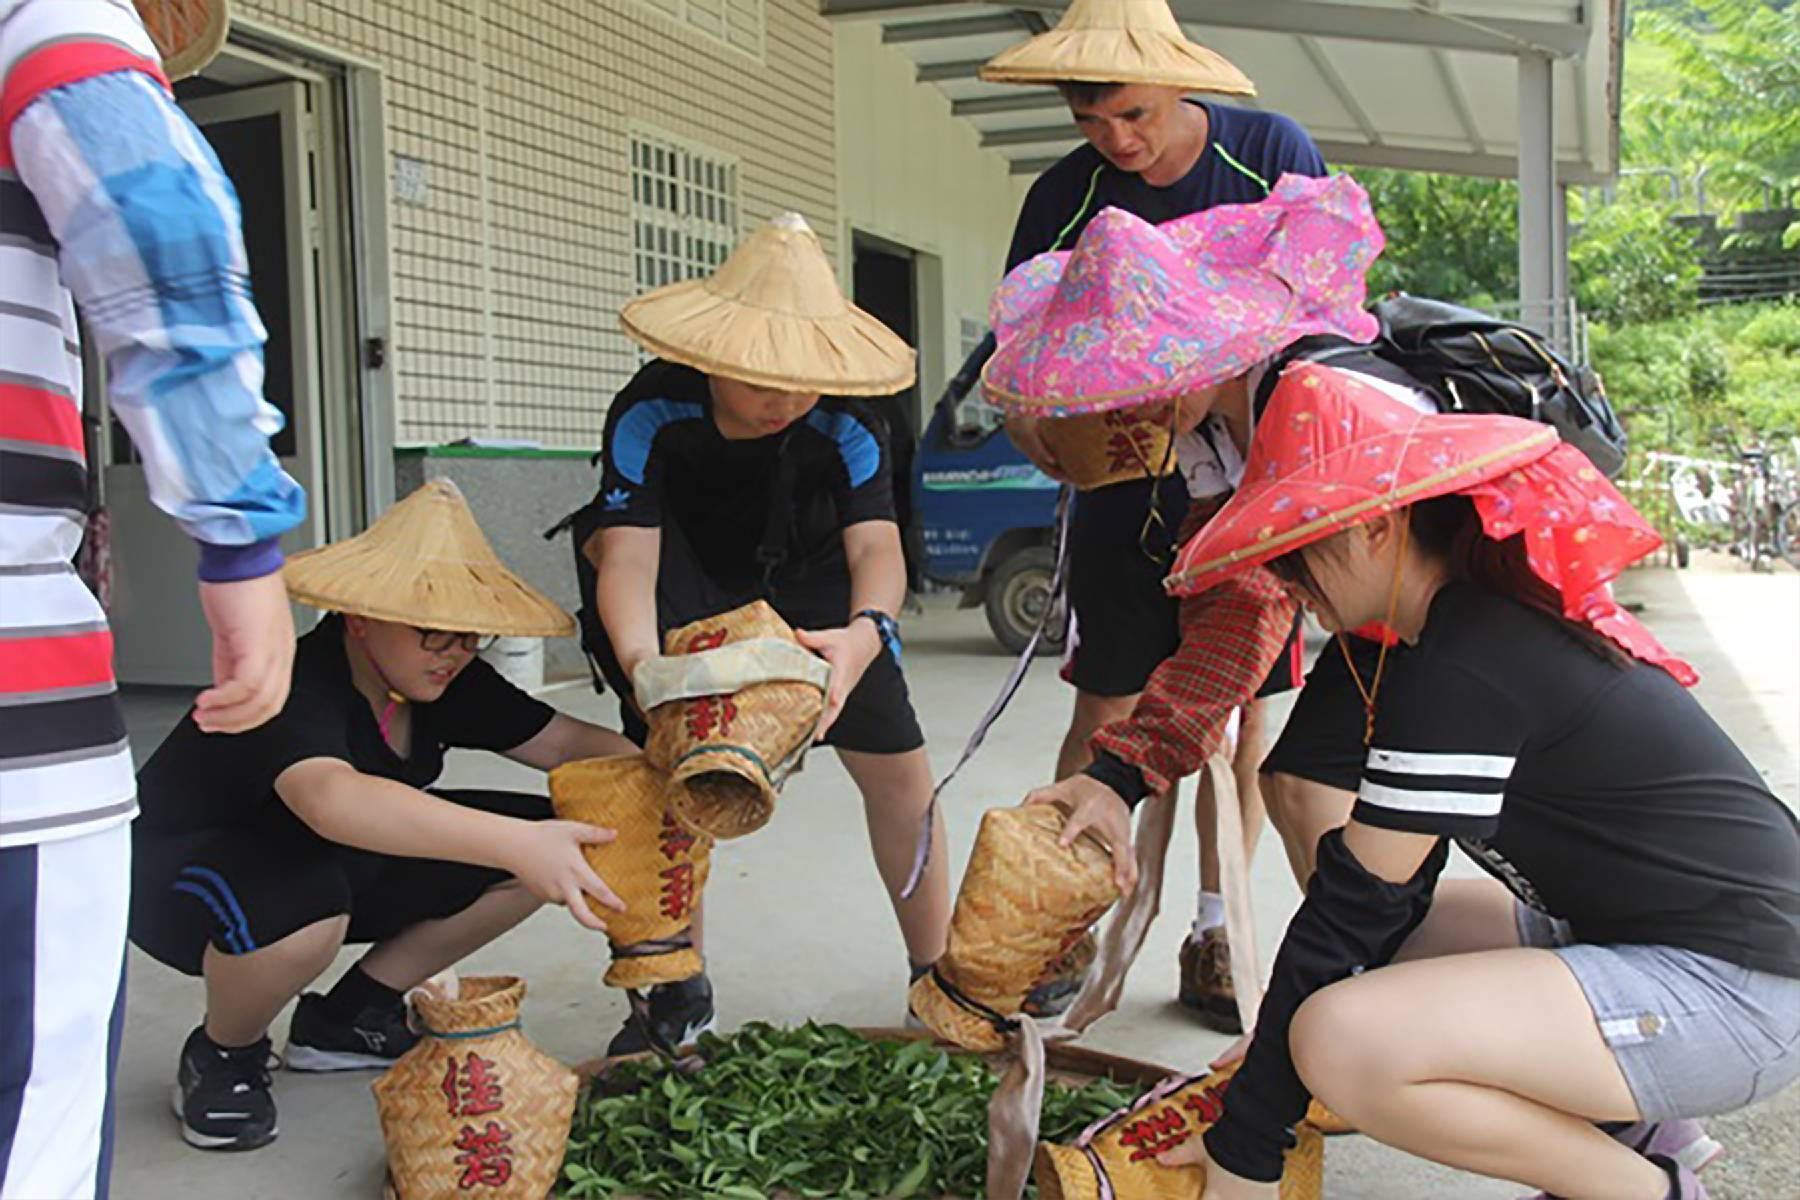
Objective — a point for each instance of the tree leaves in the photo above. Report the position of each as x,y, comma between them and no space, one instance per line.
815,1111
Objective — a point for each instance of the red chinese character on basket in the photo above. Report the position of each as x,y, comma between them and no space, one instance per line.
678,890
709,713
707,641
1207,1106
675,839
1128,449
1163,1129
472,1088
486,1157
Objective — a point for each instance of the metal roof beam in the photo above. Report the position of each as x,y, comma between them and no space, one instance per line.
948,72
1031,136
1340,87
1417,26
953,27
983,106
1401,158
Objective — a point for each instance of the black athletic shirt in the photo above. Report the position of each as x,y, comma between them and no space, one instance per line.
201,781
1267,145
667,463
1604,795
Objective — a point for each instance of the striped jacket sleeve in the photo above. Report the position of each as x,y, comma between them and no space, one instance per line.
1231,636
1443,750
149,240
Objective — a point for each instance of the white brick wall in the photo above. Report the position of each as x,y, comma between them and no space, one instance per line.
508,281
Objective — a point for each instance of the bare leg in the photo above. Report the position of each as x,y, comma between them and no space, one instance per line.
1303,812
1091,713
1466,915
1489,1062
245,991
416,954
896,791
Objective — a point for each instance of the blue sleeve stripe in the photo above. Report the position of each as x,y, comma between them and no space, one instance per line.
636,432
856,445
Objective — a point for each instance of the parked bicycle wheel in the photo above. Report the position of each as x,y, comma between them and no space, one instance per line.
1787,534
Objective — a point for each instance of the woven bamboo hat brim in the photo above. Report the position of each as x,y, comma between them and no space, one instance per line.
426,563
1118,41
774,317
188,33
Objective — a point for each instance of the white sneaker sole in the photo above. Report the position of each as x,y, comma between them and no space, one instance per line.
310,1058
207,1141
1699,1154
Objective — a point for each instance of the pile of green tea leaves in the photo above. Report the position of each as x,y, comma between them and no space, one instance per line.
813,1111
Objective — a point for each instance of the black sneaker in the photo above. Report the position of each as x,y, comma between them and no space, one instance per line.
375,1039
221,1095
667,1017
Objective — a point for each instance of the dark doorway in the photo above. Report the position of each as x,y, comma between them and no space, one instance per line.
885,285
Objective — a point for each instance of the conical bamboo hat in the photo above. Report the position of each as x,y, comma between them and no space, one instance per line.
427,563
773,316
188,33
1118,41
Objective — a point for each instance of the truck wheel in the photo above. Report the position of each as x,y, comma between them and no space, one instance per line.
1017,595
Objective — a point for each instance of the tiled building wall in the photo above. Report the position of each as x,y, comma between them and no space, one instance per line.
509,276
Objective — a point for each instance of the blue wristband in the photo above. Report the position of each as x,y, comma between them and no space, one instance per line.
886,627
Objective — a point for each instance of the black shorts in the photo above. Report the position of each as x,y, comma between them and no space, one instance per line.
878,716
246,888
1125,624
1323,739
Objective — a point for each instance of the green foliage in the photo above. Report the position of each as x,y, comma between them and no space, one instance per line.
1735,108
1679,383
1630,265
814,1111
1449,236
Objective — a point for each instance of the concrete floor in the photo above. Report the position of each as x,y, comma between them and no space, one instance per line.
799,926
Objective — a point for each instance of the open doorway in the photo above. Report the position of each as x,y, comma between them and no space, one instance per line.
885,284
279,131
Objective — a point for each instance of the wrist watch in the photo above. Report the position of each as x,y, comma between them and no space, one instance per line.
886,627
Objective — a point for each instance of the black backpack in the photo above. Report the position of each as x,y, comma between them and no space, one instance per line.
1469,361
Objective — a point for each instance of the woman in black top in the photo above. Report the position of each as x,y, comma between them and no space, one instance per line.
1641,964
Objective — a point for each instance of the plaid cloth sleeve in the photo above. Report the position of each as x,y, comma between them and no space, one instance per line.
149,239
1231,636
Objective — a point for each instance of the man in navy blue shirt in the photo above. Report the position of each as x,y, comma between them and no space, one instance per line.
1158,154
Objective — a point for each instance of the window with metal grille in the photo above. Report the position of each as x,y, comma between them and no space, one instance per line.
684,210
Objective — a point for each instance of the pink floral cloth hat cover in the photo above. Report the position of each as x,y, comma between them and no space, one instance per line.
1138,313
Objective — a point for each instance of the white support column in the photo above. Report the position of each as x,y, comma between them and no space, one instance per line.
1537,187
1562,329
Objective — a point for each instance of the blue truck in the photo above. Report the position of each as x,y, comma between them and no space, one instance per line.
986,514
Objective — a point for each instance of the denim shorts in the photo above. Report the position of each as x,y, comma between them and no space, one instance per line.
1694,1035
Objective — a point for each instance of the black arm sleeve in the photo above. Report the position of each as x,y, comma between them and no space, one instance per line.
1351,920
1118,775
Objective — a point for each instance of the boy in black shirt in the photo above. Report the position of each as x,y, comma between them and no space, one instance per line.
729,478
258,856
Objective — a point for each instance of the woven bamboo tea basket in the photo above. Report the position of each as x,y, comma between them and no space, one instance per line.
1024,901
657,866
1097,449
728,755
475,1108
1119,1153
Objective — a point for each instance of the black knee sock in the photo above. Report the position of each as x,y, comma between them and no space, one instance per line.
355,992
